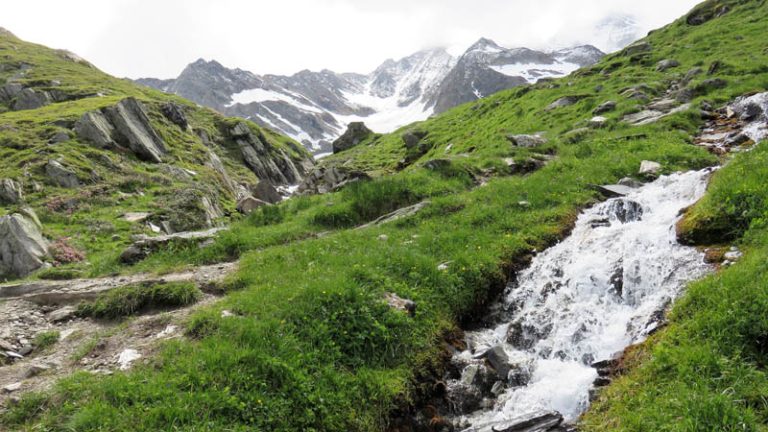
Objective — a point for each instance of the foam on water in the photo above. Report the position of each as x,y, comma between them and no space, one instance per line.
590,296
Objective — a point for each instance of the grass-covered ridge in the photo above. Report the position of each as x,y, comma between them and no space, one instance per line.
310,344
113,182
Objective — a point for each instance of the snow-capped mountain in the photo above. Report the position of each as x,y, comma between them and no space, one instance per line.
316,107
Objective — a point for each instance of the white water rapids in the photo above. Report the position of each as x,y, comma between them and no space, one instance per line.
588,298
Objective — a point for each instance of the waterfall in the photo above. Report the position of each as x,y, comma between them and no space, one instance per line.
583,300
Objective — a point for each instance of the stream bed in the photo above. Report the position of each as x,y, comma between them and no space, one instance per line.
582,301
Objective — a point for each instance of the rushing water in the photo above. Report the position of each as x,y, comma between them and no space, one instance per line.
585,300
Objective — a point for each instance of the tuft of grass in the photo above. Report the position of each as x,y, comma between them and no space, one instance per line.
130,300
45,339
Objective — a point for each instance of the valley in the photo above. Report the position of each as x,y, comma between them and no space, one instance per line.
580,245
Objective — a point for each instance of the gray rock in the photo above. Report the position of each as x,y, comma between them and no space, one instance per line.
133,129
498,359
264,191
10,91
248,204
564,102
22,246
327,179
396,302
274,166
62,314
630,182
356,133
412,138
535,422
666,65
664,105
638,47
10,192
35,370
527,141
175,113
59,137
692,73
29,99
613,191
605,107
649,168
10,388
95,128
60,175
597,122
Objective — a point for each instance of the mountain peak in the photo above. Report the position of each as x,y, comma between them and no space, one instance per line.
485,44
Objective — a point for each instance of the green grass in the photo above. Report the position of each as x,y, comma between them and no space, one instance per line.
311,344
127,301
46,339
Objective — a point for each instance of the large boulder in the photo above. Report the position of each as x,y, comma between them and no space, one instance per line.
61,175
356,133
10,192
134,130
22,246
248,204
266,192
123,125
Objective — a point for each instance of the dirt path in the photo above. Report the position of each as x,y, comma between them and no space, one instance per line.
30,310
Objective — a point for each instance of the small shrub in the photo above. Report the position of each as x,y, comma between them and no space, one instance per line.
64,253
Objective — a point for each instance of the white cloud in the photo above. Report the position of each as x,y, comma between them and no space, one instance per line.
158,38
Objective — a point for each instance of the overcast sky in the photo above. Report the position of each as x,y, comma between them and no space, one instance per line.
157,38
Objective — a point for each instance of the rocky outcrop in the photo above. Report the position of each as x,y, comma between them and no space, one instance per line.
356,133
273,165
29,98
175,113
61,175
10,192
123,125
329,179
22,246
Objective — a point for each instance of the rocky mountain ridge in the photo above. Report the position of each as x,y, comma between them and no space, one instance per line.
316,107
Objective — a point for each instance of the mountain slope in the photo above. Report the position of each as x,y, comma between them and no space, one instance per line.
316,335
83,148
316,107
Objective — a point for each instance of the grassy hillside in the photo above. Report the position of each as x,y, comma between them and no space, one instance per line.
112,182
310,343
